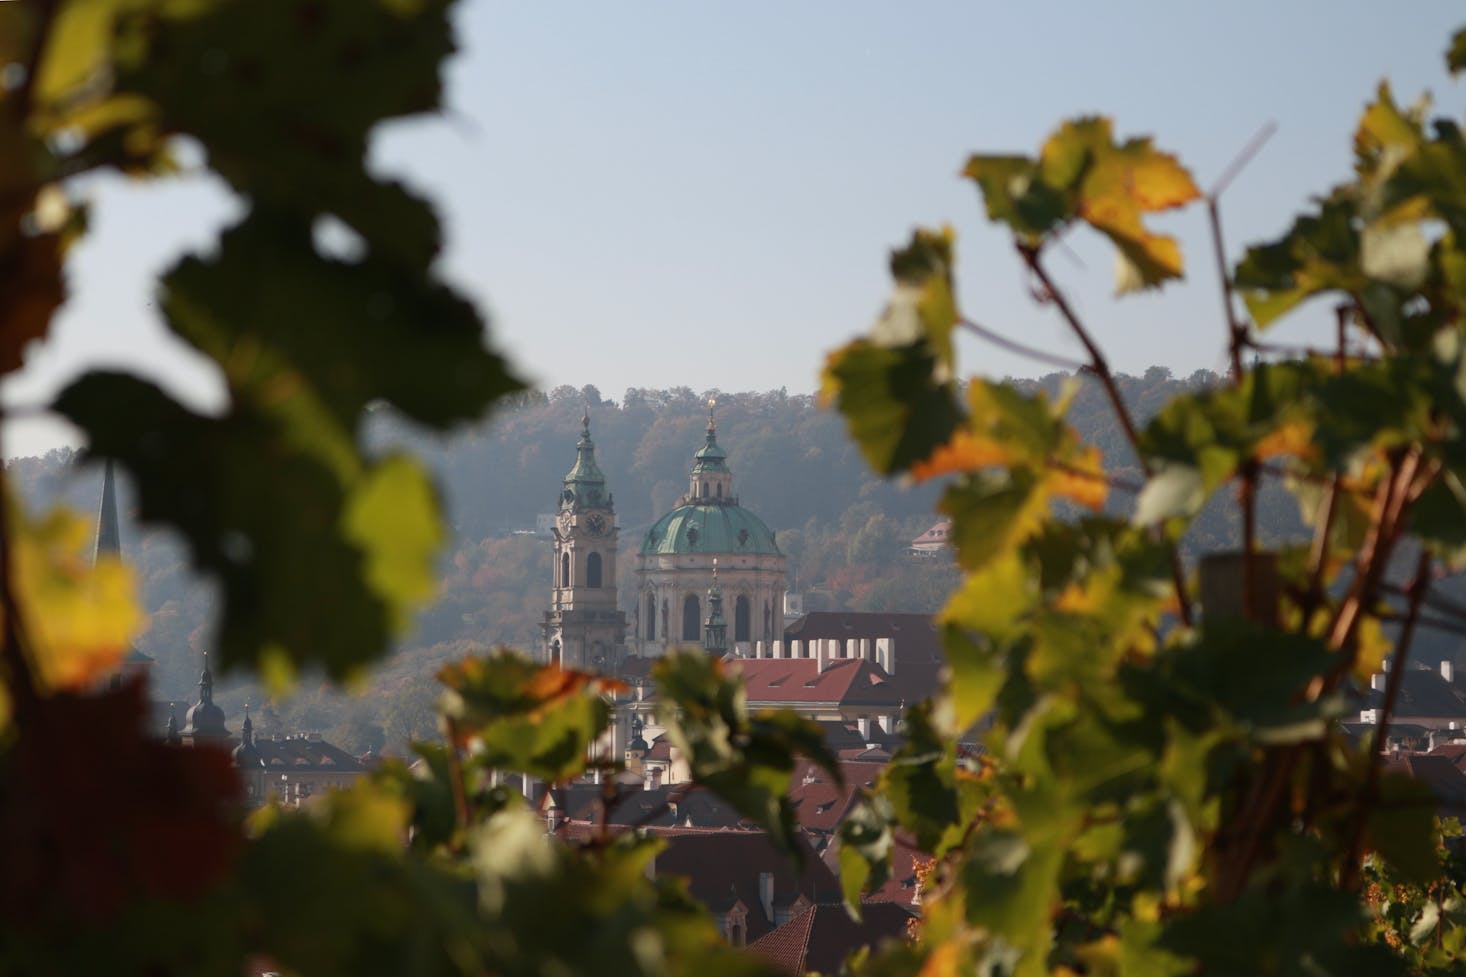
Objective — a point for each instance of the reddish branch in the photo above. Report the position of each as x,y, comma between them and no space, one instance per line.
1369,795
1022,349
1100,368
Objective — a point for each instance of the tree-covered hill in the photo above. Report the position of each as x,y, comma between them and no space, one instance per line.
844,530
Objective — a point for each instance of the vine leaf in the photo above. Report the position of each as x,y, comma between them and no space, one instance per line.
895,387
516,715
1082,173
80,617
747,760
282,530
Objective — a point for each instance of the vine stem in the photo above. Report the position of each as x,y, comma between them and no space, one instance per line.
1247,471
1022,349
1349,872
455,776
1394,493
1100,367
46,22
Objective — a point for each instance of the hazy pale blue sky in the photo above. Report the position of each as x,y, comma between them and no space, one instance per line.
652,194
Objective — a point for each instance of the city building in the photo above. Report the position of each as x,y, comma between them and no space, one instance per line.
707,531
584,628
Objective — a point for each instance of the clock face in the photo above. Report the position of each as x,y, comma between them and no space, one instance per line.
596,524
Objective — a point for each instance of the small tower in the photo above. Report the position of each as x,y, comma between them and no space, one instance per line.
205,721
135,666
584,628
250,764
715,630
636,750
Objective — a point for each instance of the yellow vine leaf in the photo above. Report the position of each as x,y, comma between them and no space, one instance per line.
1082,480
1293,439
80,619
1117,185
967,451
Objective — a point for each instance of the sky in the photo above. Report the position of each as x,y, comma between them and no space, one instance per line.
659,194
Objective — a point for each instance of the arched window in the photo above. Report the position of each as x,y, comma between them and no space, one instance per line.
564,569
720,490
691,618
651,617
555,652
704,490
742,620
593,570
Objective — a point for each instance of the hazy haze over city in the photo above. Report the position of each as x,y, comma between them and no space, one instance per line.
667,194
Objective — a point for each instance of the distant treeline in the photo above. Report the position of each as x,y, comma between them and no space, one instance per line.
844,530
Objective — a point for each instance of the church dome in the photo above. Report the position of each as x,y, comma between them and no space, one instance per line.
207,719
709,528
246,755
708,519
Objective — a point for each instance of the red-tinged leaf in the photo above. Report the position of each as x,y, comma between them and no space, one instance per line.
94,814
31,290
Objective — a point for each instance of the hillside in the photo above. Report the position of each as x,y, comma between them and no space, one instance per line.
844,531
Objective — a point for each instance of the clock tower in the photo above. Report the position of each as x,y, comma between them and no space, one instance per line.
583,628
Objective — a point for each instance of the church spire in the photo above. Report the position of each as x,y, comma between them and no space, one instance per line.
109,538
585,485
715,630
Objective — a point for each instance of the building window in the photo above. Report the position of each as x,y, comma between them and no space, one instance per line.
651,617
742,623
593,570
564,569
555,652
691,618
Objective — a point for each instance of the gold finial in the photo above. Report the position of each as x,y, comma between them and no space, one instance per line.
712,424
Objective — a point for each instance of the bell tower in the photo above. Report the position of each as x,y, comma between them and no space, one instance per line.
583,628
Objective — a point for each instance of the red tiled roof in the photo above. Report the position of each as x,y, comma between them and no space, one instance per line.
723,866
852,681
915,644
820,938
819,804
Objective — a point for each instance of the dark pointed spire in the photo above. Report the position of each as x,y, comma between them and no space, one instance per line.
205,719
247,731
172,737
715,630
109,538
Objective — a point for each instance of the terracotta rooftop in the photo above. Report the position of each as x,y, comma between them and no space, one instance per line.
821,937
851,681
915,644
723,867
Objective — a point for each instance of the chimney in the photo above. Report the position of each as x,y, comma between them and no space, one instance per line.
885,655
1377,681
1448,671
766,894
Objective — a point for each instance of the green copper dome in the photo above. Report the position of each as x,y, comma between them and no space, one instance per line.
709,518
695,528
